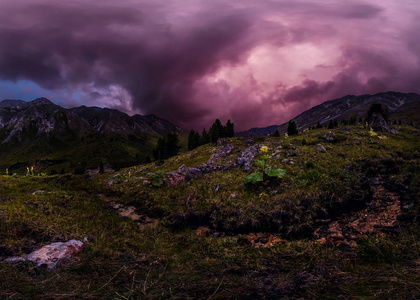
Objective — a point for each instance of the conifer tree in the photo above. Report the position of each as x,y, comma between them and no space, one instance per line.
205,138
229,129
292,128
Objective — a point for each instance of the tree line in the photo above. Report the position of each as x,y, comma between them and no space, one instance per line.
216,131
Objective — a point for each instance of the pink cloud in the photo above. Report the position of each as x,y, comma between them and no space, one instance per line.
194,61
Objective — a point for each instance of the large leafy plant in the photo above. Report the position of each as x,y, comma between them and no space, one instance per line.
265,172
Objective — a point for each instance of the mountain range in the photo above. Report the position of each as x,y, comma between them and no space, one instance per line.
55,139
402,106
76,138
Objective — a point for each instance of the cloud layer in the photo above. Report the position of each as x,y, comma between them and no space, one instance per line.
191,61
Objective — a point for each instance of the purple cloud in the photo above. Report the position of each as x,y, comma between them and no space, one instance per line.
194,61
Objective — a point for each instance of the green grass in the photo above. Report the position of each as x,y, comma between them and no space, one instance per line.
168,259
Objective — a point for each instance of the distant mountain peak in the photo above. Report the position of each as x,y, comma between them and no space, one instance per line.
400,105
41,101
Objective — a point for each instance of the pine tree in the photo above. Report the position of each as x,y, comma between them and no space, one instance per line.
377,108
193,142
229,129
216,131
166,147
318,125
205,138
292,128
276,133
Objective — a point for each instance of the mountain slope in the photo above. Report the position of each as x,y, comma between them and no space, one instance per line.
77,138
401,106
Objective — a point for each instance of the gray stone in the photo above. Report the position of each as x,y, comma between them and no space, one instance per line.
247,156
378,123
52,254
183,170
321,148
222,152
240,161
329,136
195,173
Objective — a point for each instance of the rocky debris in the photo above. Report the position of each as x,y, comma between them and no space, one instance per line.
292,152
52,254
183,173
195,173
221,141
247,156
129,212
223,151
329,136
173,178
261,240
276,154
321,148
378,123
249,141
380,216
287,161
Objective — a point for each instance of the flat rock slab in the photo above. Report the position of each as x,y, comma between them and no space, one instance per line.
51,254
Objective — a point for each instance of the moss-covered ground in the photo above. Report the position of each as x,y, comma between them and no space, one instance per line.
198,246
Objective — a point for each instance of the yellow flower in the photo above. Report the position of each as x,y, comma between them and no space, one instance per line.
264,149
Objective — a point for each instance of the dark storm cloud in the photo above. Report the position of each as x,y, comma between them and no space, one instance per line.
161,57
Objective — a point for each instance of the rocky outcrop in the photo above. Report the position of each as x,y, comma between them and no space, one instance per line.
222,152
378,123
51,255
247,156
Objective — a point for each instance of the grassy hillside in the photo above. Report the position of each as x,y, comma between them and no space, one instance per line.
214,237
69,152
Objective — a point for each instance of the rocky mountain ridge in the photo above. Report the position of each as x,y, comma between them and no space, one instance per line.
43,116
405,106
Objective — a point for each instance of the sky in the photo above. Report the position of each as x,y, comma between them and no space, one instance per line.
257,63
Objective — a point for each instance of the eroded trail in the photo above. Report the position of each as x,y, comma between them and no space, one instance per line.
380,217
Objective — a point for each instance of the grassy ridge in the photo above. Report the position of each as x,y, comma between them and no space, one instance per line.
172,259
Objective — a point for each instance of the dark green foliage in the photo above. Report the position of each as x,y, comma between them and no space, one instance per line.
332,124
318,125
166,146
193,140
276,133
205,138
292,128
230,132
101,168
353,120
216,131
378,108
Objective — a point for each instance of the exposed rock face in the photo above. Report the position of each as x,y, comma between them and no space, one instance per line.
378,123
345,108
42,116
223,151
247,156
52,254
183,173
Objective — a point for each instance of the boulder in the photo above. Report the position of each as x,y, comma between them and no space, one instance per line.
378,123
247,156
52,254
321,148
329,136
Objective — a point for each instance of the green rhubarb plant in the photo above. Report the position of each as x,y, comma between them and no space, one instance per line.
265,172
